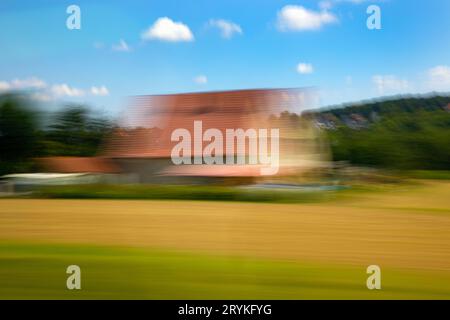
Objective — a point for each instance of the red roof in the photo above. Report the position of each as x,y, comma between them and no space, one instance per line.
147,128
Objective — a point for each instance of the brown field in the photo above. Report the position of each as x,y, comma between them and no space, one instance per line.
408,227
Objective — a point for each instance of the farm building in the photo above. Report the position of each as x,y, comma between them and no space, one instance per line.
143,145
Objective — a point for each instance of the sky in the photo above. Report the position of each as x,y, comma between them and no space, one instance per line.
139,47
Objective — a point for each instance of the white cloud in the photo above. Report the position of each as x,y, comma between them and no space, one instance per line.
60,90
165,29
65,90
4,86
43,92
434,79
390,84
227,28
201,79
32,82
121,46
298,18
99,91
19,84
438,78
305,68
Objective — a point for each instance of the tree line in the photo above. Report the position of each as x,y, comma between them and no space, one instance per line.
26,133
406,133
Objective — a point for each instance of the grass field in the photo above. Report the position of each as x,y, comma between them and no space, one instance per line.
195,249
38,271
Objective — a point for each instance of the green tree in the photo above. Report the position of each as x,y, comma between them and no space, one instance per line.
18,133
75,132
404,140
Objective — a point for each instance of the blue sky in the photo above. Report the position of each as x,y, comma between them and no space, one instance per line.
135,47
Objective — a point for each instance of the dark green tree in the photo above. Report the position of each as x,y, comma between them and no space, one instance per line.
75,132
18,133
